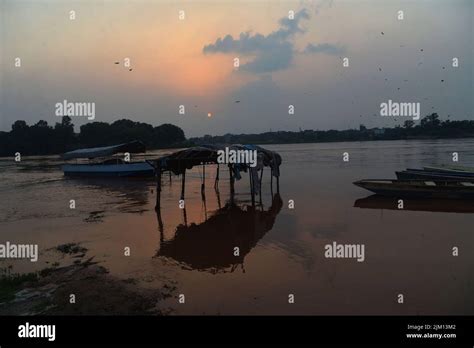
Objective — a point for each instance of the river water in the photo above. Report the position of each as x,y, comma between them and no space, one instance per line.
282,250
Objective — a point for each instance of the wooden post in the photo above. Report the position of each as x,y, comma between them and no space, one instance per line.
271,181
231,175
278,184
183,182
216,182
158,186
260,191
252,189
203,184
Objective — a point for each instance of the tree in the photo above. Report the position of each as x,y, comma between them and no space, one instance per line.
430,121
19,126
408,124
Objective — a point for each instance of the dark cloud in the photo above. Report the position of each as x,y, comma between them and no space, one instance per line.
324,48
273,52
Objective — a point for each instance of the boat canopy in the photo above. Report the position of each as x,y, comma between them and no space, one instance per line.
94,152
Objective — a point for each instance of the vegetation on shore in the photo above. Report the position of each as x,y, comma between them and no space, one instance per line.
430,127
42,139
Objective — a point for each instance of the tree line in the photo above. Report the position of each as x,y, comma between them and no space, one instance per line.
430,127
43,139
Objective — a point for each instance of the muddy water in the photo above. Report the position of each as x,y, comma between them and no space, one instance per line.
407,252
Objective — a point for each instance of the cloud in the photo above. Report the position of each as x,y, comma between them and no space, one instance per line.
324,48
272,52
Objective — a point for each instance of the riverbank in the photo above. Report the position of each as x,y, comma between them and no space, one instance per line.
83,288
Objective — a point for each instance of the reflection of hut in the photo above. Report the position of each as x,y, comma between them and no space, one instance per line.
210,245
180,161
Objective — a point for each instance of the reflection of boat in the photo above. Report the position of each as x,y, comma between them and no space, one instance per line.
419,188
111,166
416,204
419,174
210,245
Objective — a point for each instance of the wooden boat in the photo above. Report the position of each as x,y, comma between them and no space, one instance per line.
419,174
419,188
110,167
453,170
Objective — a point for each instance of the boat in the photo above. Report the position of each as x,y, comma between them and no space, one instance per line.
459,170
419,174
103,165
419,188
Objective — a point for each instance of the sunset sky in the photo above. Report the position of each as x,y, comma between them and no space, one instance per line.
190,62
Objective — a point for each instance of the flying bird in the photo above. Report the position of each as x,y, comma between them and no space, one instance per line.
237,101
382,33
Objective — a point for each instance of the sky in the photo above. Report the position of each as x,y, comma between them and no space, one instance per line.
190,62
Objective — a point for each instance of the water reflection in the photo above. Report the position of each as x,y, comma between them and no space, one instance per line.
209,246
416,204
133,195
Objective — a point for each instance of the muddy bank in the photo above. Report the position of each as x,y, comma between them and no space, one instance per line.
95,291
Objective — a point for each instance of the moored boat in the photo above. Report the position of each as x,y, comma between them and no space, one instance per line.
419,174
419,188
459,170
108,167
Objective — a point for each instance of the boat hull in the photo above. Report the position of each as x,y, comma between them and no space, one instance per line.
137,169
425,175
418,189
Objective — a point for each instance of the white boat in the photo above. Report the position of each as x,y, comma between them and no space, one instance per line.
110,167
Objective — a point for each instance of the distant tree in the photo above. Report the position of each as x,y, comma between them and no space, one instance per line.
19,125
430,121
408,124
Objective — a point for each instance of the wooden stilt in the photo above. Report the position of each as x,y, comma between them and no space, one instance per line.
183,182
203,184
271,181
158,186
252,189
231,177
278,184
216,182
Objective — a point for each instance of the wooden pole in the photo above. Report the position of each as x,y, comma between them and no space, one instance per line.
183,182
216,183
158,186
271,181
252,189
203,184
231,175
